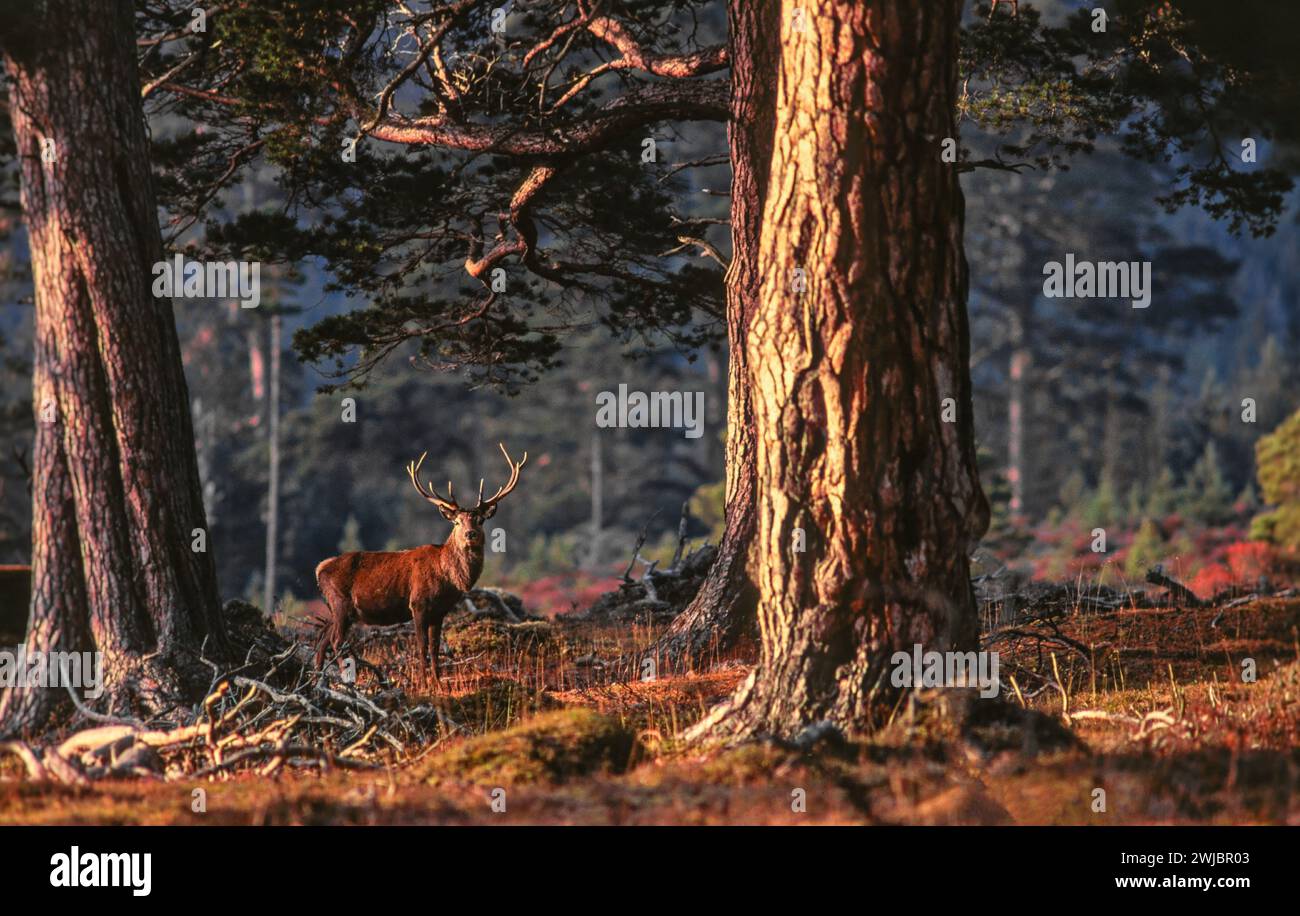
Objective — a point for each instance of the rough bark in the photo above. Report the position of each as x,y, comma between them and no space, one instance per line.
724,608
116,492
850,375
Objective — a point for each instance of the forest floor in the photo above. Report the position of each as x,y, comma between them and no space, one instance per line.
1148,705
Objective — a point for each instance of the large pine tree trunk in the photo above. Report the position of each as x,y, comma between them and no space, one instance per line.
116,493
854,459
723,609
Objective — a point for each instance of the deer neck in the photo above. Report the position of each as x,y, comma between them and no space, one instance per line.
463,561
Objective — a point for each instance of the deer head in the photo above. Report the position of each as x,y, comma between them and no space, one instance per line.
468,522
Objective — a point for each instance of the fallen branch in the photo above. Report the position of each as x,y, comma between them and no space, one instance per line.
495,596
1103,715
62,768
280,752
1057,638
35,769
1176,589
636,550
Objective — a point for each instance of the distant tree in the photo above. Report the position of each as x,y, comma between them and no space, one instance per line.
1079,375
1161,495
351,539
1196,92
1278,462
1102,507
1207,496
15,399
1146,549
15,446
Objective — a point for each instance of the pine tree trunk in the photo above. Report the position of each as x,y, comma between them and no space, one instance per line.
1019,364
597,502
723,609
273,467
116,493
855,462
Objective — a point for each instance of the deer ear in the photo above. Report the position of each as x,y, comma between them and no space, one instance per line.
491,511
448,514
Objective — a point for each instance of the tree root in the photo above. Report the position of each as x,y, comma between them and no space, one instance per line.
271,723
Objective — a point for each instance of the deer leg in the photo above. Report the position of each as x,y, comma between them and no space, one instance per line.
421,633
328,639
341,628
435,645
331,639
323,637
340,613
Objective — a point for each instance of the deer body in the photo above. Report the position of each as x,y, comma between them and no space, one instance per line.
422,584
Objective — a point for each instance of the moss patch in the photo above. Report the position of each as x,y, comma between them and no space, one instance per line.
475,637
552,747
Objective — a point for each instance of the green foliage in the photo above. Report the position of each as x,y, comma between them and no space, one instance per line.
351,540
414,228
292,81
1278,462
1133,503
1072,490
1146,550
1102,510
1024,79
708,506
1206,494
1248,498
543,554
1162,495
1174,81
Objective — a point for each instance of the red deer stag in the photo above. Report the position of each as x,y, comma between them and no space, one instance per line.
422,584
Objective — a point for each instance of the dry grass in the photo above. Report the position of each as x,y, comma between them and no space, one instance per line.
1155,712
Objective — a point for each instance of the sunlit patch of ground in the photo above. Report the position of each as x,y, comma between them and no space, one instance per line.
1151,706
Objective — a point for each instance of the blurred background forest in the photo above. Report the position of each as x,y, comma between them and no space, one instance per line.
1089,414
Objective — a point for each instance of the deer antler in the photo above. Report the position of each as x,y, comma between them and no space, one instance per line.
429,493
489,507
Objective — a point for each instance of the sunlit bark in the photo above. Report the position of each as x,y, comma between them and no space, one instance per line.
868,500
723,609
